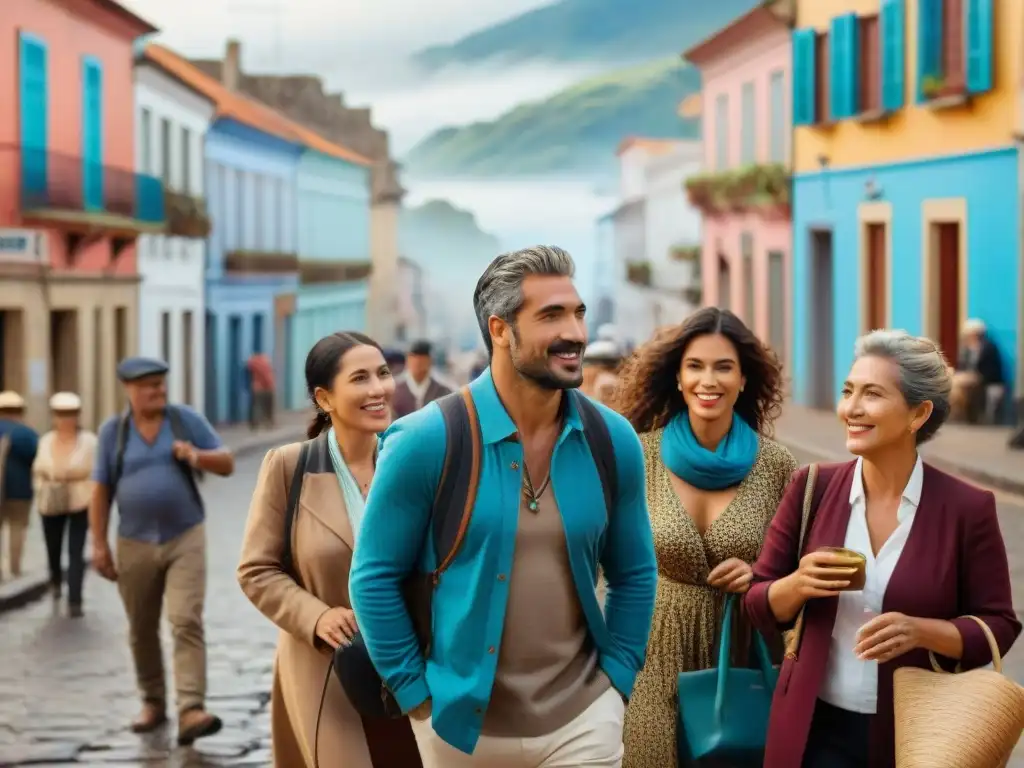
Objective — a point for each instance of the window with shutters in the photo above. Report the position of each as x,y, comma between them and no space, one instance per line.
748,132
869,98
821,78
954,48
722,132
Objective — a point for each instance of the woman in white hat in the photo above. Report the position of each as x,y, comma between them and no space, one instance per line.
61,471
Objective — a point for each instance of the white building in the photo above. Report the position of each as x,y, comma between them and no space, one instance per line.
171,122
651,223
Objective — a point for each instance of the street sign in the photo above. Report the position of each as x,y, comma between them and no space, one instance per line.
24,246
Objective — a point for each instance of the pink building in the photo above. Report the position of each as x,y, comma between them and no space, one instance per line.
71,207
743,192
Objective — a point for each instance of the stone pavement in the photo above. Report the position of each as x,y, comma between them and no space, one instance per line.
32,584
974,452
67,689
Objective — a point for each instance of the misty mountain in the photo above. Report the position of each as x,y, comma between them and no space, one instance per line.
590,30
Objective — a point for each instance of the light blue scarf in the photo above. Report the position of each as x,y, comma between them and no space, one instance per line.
716,470
354,501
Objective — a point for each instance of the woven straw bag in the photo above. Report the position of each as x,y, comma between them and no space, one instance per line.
964,720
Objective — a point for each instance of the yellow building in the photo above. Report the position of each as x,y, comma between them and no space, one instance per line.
906,192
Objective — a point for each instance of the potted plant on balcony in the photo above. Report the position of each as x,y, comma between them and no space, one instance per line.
186,216
693,294
689,253
639,273
705,193
937,86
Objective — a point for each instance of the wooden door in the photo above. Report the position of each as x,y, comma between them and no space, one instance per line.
876,284
948,293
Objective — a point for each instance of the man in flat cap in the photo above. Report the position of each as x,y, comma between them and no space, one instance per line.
418,386
147,460
18,445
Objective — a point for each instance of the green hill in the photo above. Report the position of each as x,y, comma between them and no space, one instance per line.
590,30
575,132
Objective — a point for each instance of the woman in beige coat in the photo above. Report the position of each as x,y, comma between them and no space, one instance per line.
313,724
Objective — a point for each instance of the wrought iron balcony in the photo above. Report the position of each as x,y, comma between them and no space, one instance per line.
55,185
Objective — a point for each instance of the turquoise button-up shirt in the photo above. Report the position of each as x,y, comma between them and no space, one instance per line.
470,599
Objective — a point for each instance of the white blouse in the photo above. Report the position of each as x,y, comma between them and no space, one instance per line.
850,683
78,464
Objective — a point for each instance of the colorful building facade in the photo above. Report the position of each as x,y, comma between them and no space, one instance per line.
906,190
333,189
71,204
172,120
264,293
743,191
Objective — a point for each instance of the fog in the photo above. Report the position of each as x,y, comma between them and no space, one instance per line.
419,107
530,212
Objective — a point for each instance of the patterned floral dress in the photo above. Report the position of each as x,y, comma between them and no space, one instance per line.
688,613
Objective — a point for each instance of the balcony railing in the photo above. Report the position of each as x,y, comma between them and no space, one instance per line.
53,182
186,215
260,262
316,272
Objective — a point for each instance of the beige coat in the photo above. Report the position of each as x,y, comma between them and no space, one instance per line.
322,552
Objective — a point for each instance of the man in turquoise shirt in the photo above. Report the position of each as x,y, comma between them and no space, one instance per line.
525,668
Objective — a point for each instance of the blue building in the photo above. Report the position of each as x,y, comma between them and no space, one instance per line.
334,253
906,194
260,295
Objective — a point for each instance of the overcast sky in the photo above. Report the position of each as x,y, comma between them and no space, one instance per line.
355,44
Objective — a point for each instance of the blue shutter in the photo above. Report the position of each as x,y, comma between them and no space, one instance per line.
33,100
929,43
837,68
979,45
804,77
893,46
92,134
852,73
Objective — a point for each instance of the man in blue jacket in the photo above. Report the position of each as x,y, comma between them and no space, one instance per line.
18,445
524,668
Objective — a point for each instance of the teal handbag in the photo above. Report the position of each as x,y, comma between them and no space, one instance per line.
723,712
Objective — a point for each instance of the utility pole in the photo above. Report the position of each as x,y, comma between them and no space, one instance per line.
275,11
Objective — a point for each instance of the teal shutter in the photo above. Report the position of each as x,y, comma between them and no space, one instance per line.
33,114
979,45
837,56
92,134
851,79
893,47
929,43
804,77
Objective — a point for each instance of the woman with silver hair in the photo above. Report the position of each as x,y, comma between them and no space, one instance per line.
901,564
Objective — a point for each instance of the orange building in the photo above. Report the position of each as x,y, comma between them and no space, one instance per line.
71,207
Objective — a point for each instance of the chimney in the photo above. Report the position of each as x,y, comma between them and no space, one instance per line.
231,70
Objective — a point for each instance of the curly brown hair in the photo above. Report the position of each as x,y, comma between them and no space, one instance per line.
648,392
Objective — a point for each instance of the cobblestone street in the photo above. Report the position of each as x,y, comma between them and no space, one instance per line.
67,690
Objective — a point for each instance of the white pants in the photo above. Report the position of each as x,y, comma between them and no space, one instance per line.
593,739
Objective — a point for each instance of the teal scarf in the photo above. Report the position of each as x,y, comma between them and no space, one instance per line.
707,470
354,501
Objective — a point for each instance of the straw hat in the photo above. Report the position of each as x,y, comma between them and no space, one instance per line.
11,401
65,401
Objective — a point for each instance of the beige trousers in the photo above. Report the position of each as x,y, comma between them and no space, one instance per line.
171,575
14,516
593,739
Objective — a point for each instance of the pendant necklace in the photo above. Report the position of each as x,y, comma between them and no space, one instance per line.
533,495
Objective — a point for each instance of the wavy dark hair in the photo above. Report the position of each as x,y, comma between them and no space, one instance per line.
648,393
322,364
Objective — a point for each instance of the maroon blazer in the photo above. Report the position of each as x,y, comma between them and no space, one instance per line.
403,402
953,564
